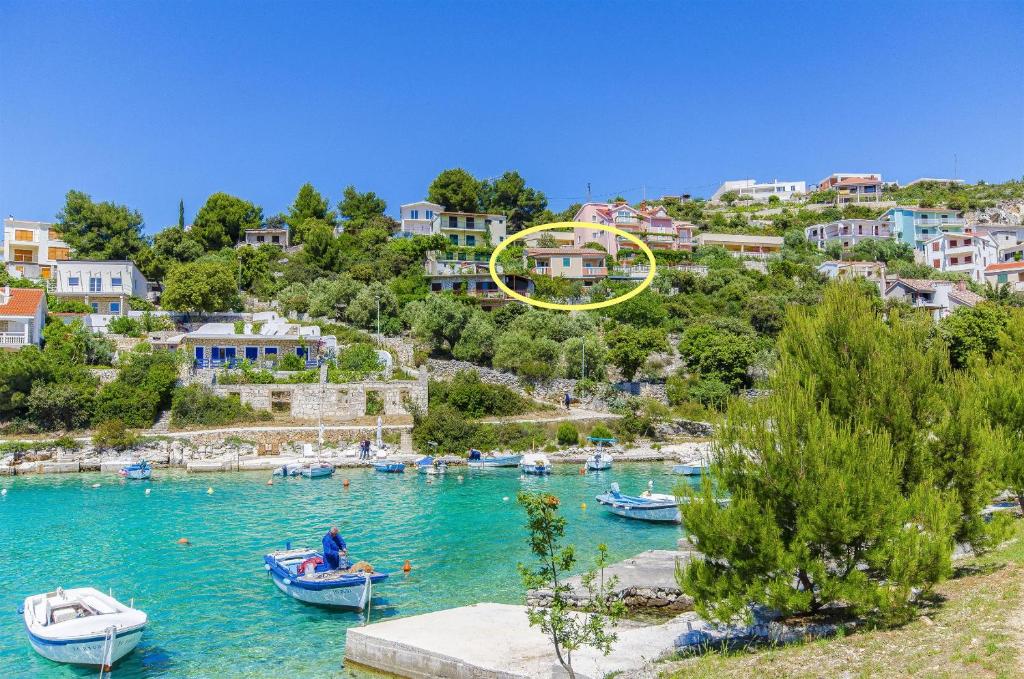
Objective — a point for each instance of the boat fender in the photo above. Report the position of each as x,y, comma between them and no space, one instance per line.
287,581
95,485
460,478
583,506
148,491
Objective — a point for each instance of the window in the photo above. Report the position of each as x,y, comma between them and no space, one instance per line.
954,260
470,223
115,307
73,281
95,307
52,234
471,240
435,287
430,214
275,239
414,214
22,255
935,246
968,259
270,351
115,282
23,234
565,262
453,239
95,284
57,254
453,222
936,264
259,239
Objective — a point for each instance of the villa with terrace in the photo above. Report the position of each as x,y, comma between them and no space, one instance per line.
915,225
847,232
474,280
262,341
577,264
651,224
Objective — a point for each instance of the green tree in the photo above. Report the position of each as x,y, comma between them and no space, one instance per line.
181,214
972,331
569,630
360,209
100,230
174,244
19,370
1002,391
223,220
308,205
629,347
438,321
476,342
294,297
455,189
718,354
363,310
330,297
509,195
201,287
320,246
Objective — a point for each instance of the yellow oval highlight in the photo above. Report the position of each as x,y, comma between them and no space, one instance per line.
572,307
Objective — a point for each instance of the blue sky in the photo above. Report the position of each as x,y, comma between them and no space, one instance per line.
148,102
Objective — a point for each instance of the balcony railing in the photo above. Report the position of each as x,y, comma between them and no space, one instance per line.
595,271
14,339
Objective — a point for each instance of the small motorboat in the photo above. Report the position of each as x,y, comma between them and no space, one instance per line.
138,471
302,575
289,469
479,461
316,470
386,467
82,626
646,507
535,463
689,469
599,460
431,465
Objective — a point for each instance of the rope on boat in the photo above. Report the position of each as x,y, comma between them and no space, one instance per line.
108,652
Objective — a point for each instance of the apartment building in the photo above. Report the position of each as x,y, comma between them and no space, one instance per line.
32,248
474,280
1006,273
961,253
915,225
105,286
847,232
743,245
651,224
762,191
858,190
581,264
470,229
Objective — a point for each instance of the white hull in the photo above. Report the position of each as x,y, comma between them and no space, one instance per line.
89,652
356,597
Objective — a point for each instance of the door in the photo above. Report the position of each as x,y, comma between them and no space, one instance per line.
200,356
252,353
229,356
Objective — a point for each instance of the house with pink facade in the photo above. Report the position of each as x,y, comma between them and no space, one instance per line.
650,223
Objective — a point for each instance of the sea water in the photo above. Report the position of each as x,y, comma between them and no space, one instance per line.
213,610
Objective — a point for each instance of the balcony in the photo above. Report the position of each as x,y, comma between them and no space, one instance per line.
542,270
953,223
595,271
14,339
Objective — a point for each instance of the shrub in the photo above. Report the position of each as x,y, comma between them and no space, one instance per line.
198,405
600,431
125,325
567,434
291,362
374,403
67,306
139,304
113,434
467,393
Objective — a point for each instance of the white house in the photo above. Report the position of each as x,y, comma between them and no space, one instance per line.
32,248
967,253
847,232
1006,273
22,317
871,271
257,237
105,286
761,190
417,218
939,298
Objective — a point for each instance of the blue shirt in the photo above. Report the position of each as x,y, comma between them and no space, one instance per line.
333,545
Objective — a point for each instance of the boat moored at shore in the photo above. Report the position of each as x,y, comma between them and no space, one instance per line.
535,463
139,471
648,507
82,626
388,467
479,461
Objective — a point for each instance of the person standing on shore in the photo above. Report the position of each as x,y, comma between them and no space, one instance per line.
334,548
568,400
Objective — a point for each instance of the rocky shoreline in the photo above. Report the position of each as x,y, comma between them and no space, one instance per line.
246,456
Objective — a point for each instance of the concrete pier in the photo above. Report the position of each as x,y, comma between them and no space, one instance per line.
495,641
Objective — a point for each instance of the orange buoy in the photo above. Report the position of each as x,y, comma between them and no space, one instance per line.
183,541
407,566
270,482
345,483
583,470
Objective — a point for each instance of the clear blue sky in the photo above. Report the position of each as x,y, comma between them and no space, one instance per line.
148,102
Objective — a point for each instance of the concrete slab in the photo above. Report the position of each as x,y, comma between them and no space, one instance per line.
67,467
207,466
495,641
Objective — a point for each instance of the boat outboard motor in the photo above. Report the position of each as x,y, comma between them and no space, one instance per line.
614,489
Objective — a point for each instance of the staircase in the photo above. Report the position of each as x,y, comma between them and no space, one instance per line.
163,424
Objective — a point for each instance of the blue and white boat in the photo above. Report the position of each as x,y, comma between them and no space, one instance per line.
646,507
535,463
387,467
289,469
602,458
477,460
316,470
139,471
431,465
82,626
690,469
301,574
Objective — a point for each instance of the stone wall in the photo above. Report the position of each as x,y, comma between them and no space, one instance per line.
340,401
105,375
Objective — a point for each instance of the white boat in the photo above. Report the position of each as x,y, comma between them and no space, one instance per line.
316,470
82,626
300,574
288,469
647,507
535,463
601,459
479,461
690,468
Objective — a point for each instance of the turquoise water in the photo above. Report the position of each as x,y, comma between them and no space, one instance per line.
213,611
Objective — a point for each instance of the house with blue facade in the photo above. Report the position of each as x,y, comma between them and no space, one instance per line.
916,225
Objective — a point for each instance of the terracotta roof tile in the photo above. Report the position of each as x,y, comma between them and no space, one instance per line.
1004,266
22,302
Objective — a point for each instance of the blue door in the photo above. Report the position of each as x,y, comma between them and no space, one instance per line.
200,356
229,356
252,353
216,355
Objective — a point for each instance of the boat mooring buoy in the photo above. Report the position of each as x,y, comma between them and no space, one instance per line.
505,499
583,506
406,567
148,491
3,492
583,470
345,483
95,485
460,478
270,482
184,541
209,491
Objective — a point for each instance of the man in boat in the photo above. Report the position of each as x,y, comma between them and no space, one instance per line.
334,548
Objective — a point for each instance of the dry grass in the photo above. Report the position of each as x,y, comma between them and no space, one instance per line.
975,629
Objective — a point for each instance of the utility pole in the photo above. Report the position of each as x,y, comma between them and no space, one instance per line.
584,350
378,318
588,192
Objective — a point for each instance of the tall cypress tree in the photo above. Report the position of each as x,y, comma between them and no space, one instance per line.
181,214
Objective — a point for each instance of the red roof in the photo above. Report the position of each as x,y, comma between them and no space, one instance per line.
22,302
858,180
1005,266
